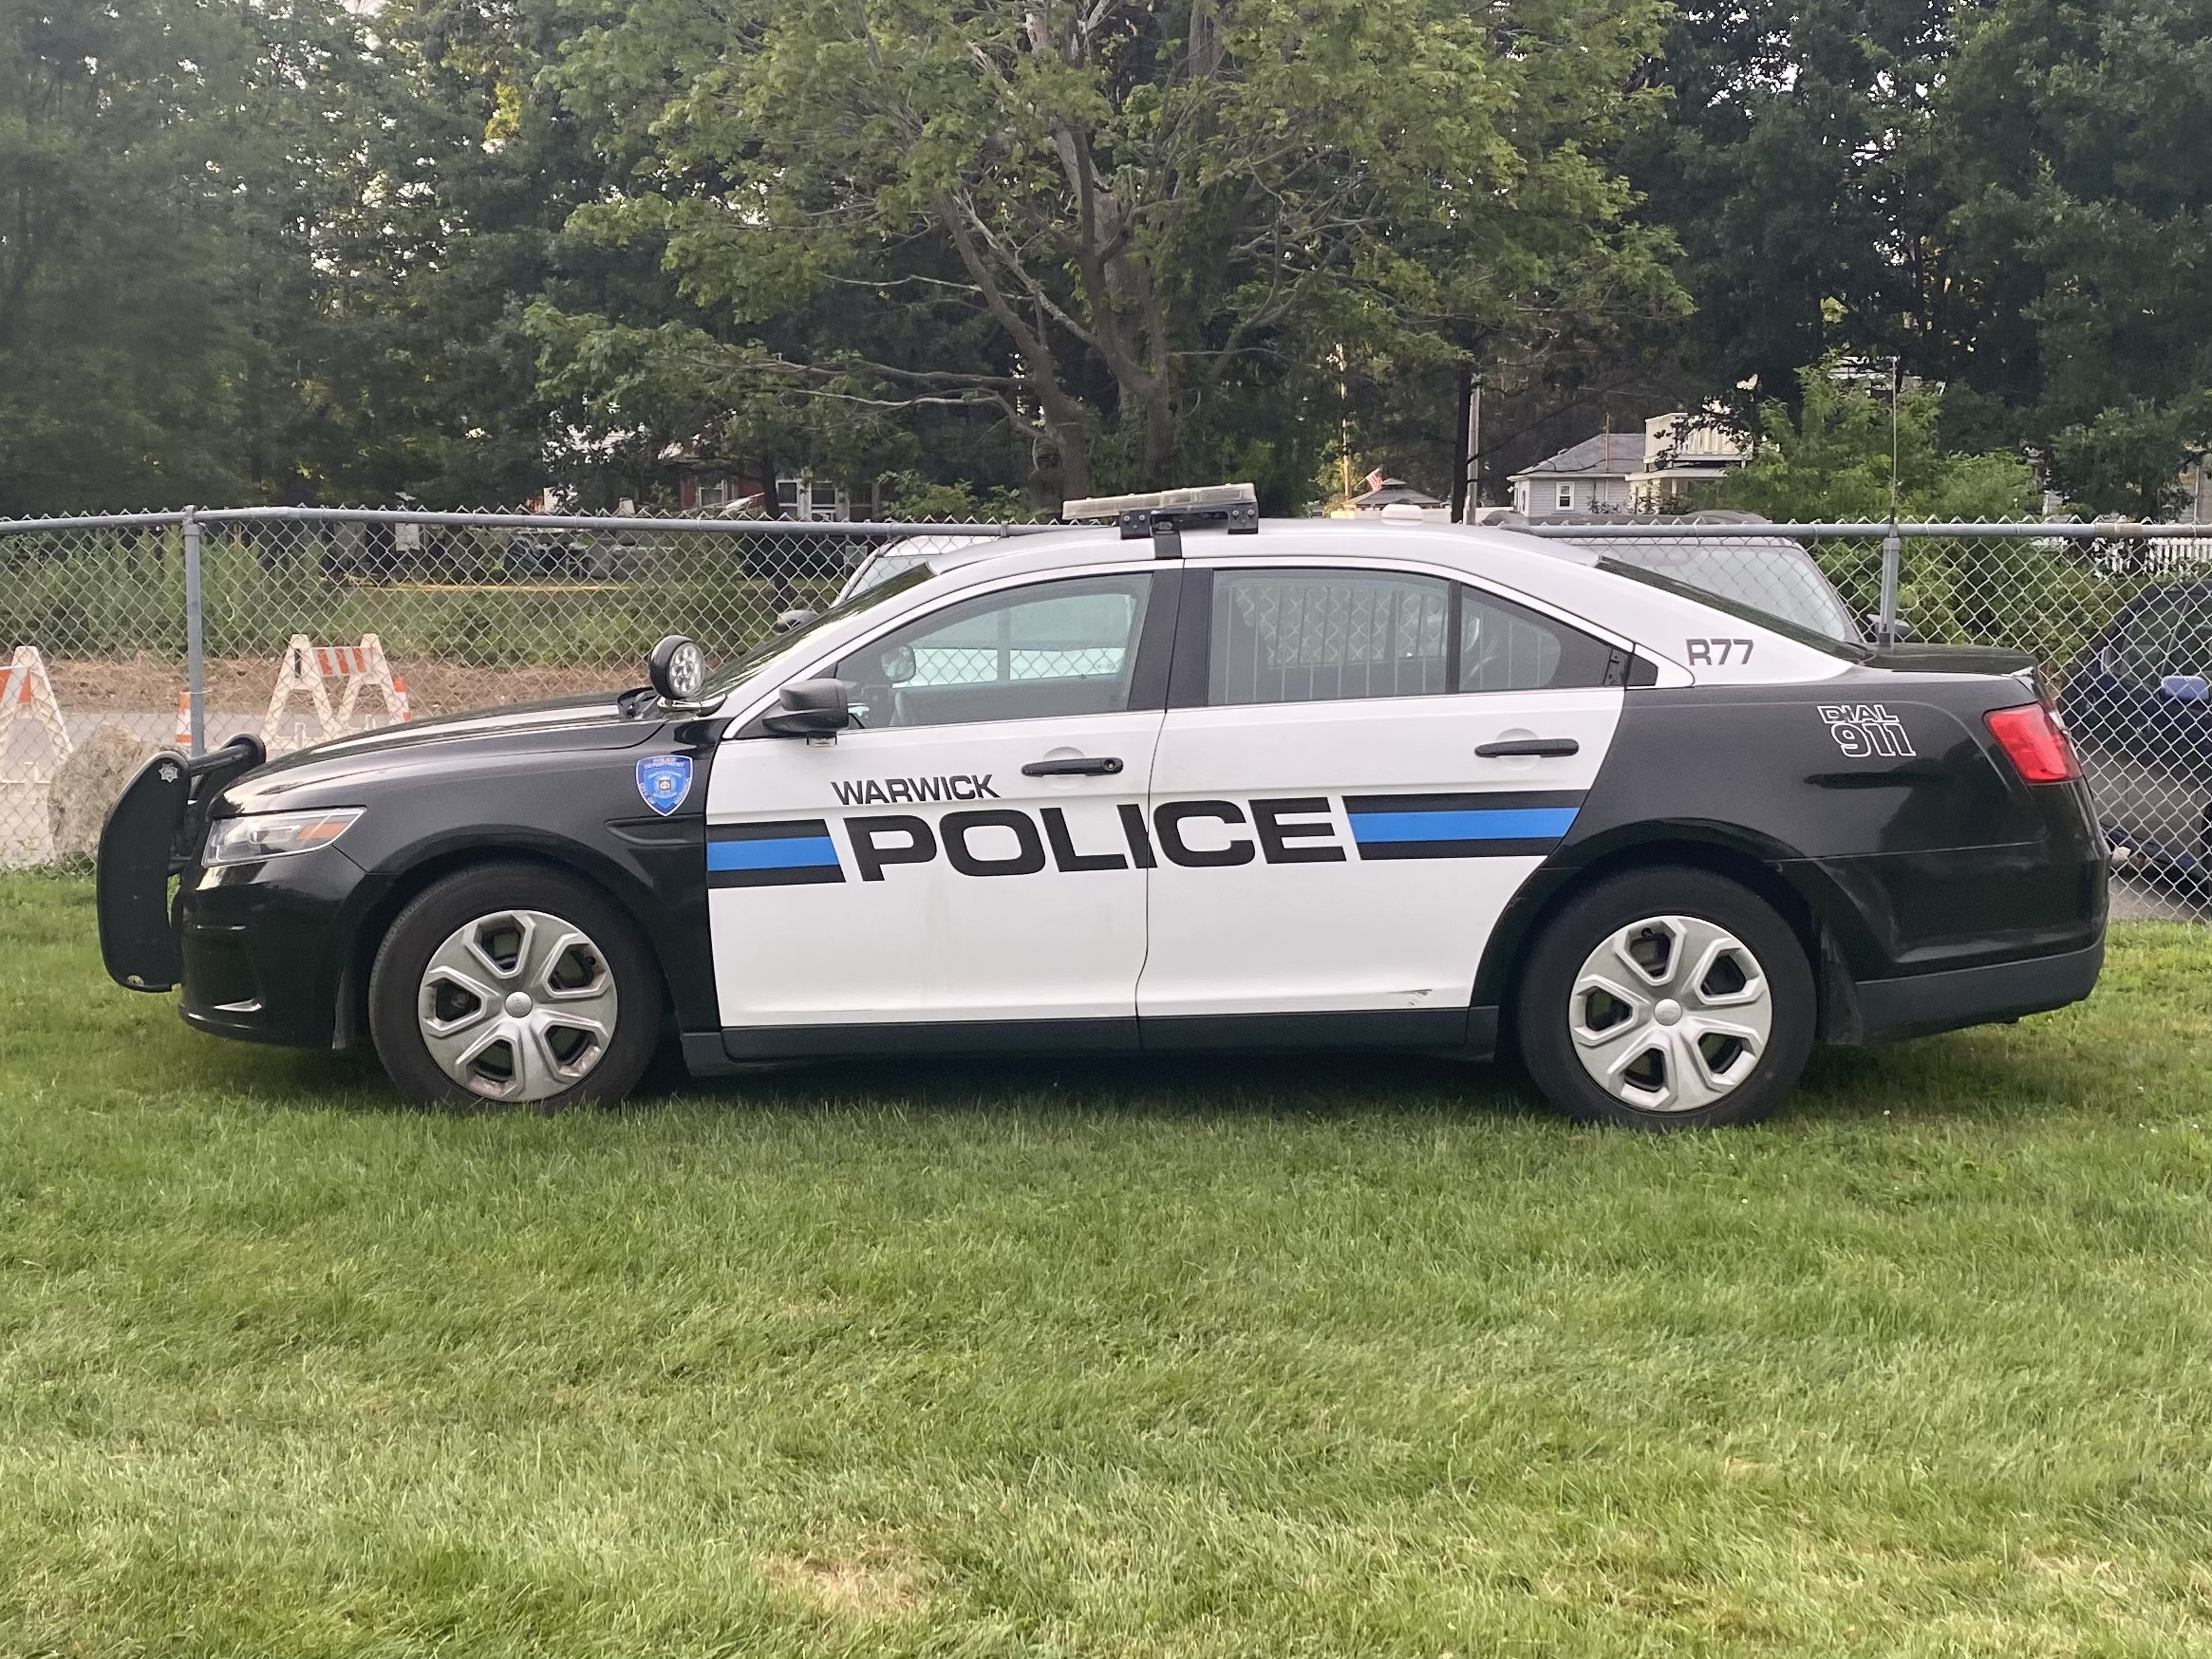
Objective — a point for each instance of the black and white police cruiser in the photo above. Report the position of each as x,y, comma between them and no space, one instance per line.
1179,781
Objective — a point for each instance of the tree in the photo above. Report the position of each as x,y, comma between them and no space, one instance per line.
2014,197
1795,168
1124,230
1831,462
174,175
2079,154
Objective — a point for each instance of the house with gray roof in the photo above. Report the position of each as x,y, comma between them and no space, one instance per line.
1590,477
1624,472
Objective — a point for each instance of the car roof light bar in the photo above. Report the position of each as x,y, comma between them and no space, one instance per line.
1203,495
1164,515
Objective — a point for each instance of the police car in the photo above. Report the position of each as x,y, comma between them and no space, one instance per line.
1179,781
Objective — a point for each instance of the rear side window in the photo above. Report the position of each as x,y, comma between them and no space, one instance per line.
1505,647
1321,636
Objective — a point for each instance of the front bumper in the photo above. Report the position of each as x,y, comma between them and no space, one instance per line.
1949,998
263,946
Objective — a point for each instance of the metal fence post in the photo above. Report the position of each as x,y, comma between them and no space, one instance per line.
195,662
1892,560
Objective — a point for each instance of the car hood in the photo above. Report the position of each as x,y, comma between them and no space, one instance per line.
534,735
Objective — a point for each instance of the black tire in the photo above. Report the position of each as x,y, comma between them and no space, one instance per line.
398,1001
1666,1086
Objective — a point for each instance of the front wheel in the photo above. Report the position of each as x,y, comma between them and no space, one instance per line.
513,985
1667,997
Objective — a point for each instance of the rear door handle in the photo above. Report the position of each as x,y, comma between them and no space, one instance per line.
1550,748
1075,766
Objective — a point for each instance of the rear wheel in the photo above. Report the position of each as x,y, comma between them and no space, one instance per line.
1666,998
513,985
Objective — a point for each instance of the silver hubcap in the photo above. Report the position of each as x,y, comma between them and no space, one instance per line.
1671,1014
518,1005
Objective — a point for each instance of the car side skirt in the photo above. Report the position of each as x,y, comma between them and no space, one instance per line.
1462,1033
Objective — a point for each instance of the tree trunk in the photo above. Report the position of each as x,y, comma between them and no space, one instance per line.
1074,451
1159,432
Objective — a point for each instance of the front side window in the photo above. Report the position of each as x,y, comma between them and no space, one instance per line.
1054,648
1320,635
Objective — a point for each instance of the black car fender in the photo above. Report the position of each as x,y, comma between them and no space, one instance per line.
673,926
1804,895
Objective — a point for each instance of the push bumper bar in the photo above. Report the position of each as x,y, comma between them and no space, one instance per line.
147,839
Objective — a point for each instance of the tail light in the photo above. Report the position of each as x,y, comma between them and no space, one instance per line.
2035,742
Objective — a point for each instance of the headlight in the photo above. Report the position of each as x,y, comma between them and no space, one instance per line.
274,834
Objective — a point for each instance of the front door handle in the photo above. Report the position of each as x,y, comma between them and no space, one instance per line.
1075,766
1549,748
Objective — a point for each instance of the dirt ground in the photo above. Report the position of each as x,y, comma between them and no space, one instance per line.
242,684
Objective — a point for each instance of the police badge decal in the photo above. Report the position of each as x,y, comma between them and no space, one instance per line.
664,780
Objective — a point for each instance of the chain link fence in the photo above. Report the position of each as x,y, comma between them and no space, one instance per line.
297,623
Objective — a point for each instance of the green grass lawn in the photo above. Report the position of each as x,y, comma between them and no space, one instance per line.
1275,1358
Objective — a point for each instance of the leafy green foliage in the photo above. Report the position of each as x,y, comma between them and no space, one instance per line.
169,169
912,498
1831,460
2014,197
1091,222
455,251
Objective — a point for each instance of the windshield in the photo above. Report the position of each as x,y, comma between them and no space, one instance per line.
1769,575
2165,632
743,667
881,570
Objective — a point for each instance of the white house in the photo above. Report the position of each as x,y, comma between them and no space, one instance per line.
1679,452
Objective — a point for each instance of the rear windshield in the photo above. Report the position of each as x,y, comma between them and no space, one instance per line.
1772,577
1854,649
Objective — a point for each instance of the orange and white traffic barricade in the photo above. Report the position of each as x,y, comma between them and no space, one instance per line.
306,668
27,704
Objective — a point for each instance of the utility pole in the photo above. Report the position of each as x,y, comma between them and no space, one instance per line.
1892,545
1473,448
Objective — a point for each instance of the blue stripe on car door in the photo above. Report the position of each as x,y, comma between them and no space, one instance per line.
1500,824
787,852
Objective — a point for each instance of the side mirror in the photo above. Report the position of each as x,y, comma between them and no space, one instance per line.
677,669
809,708
793,619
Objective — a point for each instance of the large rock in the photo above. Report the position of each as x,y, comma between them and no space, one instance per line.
87,785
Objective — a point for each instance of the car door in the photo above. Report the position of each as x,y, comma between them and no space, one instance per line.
1358,769
970,853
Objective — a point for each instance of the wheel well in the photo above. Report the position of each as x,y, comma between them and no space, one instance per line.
368,935
1498,977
